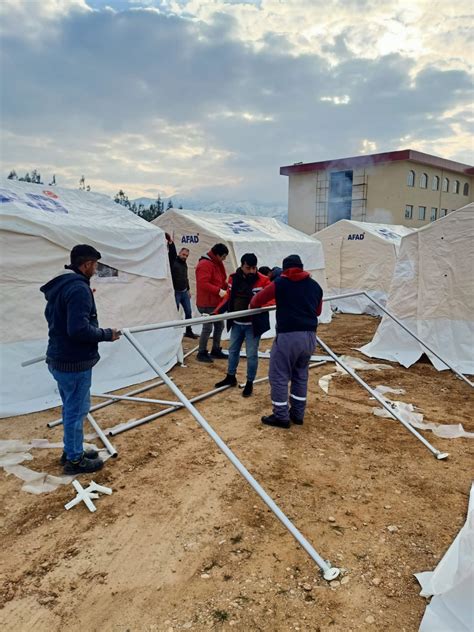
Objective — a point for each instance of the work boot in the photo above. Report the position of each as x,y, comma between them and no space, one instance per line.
271,420
189,333
295,420
229,380
89,454
217,354
83,466
248,389
203,356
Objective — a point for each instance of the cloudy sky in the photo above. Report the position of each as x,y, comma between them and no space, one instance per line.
208,98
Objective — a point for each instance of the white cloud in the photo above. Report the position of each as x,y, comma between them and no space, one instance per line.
187,97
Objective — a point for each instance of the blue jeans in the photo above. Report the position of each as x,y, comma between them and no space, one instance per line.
182,298
74,389
238,334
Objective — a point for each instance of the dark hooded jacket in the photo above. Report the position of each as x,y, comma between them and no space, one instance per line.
73,328
299,300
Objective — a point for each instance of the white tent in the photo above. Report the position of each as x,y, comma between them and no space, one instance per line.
360,256
432,292
38,227
268,238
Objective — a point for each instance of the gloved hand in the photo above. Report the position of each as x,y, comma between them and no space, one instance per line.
222,293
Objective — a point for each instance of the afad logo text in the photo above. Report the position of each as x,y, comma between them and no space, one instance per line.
190,239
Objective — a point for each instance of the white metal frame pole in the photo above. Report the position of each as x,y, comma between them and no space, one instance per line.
109,447
439,455
138,422
329,572
142,389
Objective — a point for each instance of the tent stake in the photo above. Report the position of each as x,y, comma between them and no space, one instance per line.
329,572
439,455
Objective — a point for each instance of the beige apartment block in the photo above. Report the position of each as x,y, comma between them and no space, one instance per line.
400,187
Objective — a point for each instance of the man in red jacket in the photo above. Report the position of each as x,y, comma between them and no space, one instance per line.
211,286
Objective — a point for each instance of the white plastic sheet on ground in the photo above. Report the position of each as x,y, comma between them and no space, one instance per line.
408,414
452,584
14,451
353,363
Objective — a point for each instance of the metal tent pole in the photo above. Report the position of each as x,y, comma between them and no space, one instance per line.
329,572
423,344
439,455
138,422
265,379
141,400
110,448
142,389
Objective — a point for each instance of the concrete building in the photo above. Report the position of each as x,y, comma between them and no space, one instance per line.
398,187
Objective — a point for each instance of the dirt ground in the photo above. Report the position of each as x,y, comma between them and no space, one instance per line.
185,543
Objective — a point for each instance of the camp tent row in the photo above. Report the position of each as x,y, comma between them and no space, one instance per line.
360,256
432,293
38,228
431,290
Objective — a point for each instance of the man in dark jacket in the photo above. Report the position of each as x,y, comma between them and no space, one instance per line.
74,336
298,305
179,275
245,283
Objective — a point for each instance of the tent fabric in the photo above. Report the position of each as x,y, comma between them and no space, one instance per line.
268,238
451,584
360,256
432,293
125,299
63,217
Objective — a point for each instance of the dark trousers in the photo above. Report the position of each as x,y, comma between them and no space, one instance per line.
207,330
289,361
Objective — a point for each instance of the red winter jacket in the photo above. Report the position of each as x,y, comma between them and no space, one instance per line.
210,278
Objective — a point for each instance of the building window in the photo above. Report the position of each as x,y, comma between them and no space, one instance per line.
465,190
411,178
443,212
446,185
457,186
409,211
434,213
424,181
422,212
435,183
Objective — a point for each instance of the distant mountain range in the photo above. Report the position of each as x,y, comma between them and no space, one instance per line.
244,207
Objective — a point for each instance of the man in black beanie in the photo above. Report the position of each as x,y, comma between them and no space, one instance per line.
298,304
74,334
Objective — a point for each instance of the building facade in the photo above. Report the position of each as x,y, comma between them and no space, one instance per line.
400,187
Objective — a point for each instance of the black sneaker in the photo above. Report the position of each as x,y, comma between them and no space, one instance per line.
189,333
218,355
248,389
271,420
83,466
229,380
89,454
203,356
